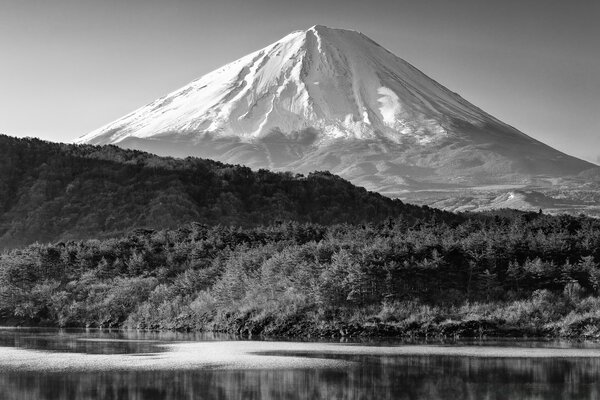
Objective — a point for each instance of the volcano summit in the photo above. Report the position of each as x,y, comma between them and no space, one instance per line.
333,99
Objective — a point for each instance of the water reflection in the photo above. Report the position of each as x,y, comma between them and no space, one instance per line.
370,377
386,378
93,341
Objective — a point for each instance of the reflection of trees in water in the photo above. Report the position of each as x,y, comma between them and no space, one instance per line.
492,378
437,377
99,342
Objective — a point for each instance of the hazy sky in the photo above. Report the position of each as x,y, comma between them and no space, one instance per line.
70,66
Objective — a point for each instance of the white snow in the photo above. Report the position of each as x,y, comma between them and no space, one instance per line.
390,105
335,80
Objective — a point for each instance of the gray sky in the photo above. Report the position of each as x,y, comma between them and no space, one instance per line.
70,66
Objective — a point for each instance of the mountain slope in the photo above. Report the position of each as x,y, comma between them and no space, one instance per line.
334,99
51,191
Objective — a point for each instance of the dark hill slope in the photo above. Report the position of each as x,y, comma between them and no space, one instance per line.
52,192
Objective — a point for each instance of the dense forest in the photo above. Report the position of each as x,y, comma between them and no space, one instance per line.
501,273
53,191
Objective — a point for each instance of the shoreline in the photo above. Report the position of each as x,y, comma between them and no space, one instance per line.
447,330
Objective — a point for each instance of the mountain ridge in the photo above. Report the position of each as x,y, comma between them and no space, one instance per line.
332,99
58,192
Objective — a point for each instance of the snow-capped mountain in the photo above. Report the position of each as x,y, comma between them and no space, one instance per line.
334,99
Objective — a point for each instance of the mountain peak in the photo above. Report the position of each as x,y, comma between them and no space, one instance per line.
352,96
335,80
318,28
323,29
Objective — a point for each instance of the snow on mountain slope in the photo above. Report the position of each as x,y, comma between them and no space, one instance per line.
336,80
334,99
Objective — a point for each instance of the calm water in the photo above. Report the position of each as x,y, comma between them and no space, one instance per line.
368,377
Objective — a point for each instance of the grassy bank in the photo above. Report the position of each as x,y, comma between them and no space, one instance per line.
543,315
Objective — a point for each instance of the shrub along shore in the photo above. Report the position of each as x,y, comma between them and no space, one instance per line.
505,273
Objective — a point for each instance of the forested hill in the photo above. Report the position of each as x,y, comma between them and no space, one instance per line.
507,273
53,192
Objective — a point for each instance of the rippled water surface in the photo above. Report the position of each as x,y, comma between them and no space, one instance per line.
360,376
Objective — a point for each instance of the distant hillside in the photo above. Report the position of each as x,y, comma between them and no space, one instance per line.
53,192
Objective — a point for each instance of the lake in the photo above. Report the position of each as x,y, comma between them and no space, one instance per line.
91,364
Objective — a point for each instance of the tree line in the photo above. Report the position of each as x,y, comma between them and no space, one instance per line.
506,271
53,191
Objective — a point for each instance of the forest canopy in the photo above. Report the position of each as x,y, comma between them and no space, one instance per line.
507,273
52,191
